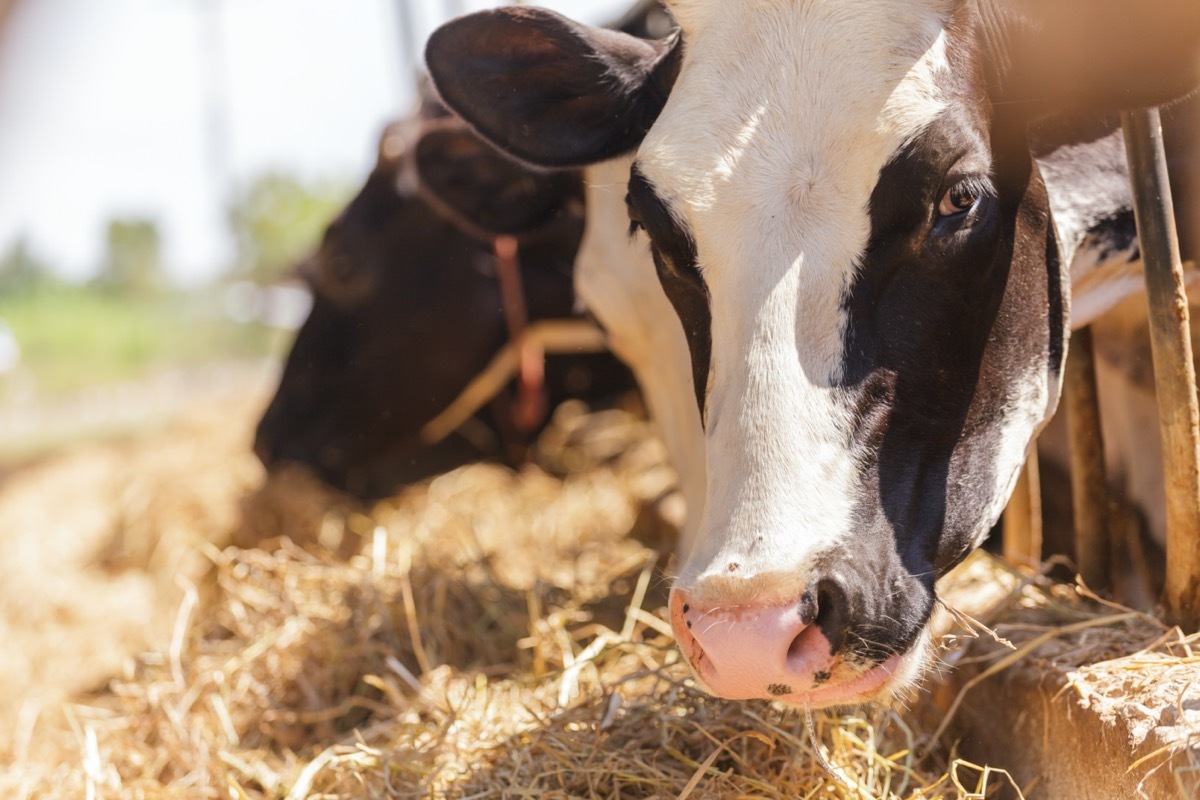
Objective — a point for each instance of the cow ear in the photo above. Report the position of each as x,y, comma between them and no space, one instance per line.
484,191
1094,54
548,90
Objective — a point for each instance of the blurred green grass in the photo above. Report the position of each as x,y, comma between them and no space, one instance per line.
74,337
130,350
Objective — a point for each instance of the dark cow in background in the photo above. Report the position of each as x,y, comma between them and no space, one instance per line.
847,209
407,310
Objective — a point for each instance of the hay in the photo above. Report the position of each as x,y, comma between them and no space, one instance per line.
487,635
1110,672
94,543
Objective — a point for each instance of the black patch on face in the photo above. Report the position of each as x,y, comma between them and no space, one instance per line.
675,259
820,677
779,689
945,318
919,315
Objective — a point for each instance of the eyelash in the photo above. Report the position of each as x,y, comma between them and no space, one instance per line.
977,187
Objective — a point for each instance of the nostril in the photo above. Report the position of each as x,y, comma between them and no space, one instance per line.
831,617
808,607
696,653
796,648
806,649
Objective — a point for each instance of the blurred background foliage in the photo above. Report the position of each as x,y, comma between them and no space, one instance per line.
130,322
278,219
129,319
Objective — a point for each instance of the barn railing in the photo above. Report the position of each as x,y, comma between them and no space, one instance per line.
1179,415
1089,483
1174,373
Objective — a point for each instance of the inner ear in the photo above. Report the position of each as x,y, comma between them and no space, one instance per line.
485,191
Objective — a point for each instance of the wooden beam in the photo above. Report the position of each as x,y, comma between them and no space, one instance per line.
1023,517
1175,376
1089,486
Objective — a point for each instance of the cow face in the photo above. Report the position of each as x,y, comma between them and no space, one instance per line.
407,309
843,209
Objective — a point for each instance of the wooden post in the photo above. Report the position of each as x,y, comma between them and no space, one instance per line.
1023,516
1089,486
1175,376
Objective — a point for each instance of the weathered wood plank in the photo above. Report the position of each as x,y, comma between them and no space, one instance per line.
1089,485
1179,416
1023,517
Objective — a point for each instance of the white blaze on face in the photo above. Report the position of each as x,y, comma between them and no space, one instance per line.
767,152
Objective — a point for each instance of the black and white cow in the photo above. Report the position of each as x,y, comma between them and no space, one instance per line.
848,211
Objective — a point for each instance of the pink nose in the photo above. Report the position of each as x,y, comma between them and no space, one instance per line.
753,652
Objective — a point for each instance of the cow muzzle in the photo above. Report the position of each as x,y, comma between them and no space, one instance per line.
778,652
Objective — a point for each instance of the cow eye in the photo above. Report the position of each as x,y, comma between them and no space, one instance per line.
962,197
957,200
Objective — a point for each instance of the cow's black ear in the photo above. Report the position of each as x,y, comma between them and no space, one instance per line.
1104,55
484,191
548,90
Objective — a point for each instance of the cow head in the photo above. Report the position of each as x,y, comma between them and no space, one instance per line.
844,211
407,309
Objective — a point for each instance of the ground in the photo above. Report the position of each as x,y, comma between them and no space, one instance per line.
176,625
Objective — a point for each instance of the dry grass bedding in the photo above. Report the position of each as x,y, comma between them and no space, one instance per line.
488,634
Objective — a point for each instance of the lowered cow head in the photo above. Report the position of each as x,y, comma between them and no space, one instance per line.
845,213
407,308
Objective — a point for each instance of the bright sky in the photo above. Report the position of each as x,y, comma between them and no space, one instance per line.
104,110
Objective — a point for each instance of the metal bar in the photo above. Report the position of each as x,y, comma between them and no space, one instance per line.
1089,486
1023,516
1174,373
